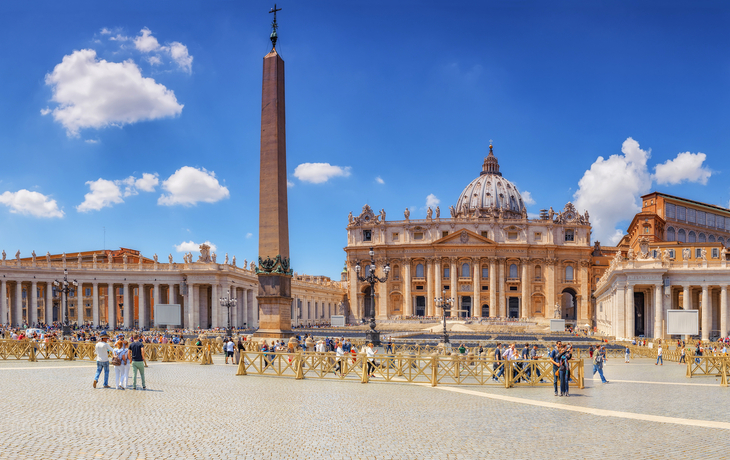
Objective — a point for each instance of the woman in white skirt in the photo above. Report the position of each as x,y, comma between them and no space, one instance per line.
118,370
126,361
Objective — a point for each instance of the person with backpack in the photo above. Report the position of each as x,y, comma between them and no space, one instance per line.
598,363
628,354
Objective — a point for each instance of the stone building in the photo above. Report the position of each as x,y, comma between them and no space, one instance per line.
485,253
673,257
111,281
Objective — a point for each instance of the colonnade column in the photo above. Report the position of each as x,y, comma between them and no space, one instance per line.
430,308
686,304
80,304
234,313
706,313
525,282
4,302
502,299
493,307
95,304
33,309
142,307
437,291
128,307
215,306
190,313
156,300
550,288
407,301
454,286
619,307
658,311
476,301
723,311
49,303
18,316
630,312
111,316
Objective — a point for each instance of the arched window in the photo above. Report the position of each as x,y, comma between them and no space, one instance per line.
513,271
681,236
692,237
538,272
721,240
419,271
701,238
711,239
485,272
396,272
670,234
569,273
465,271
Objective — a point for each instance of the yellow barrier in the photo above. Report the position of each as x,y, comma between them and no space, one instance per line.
716,366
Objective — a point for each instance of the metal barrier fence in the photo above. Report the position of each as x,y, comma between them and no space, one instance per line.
717,366
427,369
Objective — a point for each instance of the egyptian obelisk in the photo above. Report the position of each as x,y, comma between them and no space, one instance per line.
274,270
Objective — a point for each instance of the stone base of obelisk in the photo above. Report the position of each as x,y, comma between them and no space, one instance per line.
274,307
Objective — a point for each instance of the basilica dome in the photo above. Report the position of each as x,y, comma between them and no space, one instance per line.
490,194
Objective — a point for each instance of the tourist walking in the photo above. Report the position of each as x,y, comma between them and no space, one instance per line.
340,353
564,370
682,356
553,355
102,350
598,363
121,357
497,366
126,366
138,362
371,357
627,354
230,347
659,356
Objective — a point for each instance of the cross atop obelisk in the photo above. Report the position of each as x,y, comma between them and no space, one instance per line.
274,26
274,270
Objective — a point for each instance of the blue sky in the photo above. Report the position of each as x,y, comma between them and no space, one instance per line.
140,120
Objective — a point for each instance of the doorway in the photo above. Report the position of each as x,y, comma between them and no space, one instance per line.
465,307
485,311
420,305
567,304
514,307
639,314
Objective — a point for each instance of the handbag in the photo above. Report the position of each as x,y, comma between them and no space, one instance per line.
116,361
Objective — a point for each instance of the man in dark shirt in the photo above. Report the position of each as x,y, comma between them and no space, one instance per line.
138,361
497,365
554,359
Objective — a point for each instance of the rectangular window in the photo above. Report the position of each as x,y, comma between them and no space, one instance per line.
447,272
485,288
485,272
367,235
671,253
444,233
513,288
512,235
538,236
395,236
715,253
710,220
569,235
720,222
681,211
485,234
700,218
419,288
88,292
698,253
671,211
691,216
446,287
417,235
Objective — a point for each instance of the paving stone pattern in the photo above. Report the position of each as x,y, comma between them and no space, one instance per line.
50,411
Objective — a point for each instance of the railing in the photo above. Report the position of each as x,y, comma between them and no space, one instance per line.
423,369
718,366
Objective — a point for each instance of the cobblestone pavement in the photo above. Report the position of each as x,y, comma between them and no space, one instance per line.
51,411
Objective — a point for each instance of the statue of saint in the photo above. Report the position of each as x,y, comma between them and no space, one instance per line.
438,212
33,256
213,257
155,257
407,213
226,262
429,213
557,314
48,257
17,255
233,262
170,258
382,215
245,263
349,218
452,211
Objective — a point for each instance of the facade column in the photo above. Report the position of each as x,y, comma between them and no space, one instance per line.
723,311
493,307
476,300
234,311
658,310
142,307
706,313
4,302
49,303
550,300
430,284
407,300
155,300
18,316
525,282
128,307
619,308
215,306
686,304
630,312
80,304
453,274
585,293
189,310
95,304
111,309
382,311
502,297
33,309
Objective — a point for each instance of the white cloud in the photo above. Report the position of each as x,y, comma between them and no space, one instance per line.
145,42
119,38
685,167
614,239
30,203
147,182
190,246
179,54
154,60
432,201
189,186
105,31
249,235
95,93
527,197
379,180
103,193
289,184
45,111
317,173
610,189
91,141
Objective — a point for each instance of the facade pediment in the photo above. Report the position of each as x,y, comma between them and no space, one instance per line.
462,237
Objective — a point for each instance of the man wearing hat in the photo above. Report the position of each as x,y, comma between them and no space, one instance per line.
102,359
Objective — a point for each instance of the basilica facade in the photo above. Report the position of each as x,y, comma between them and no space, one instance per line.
485,253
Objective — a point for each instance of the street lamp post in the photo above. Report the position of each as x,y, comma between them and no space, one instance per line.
445,305
63,286
372,336
228,303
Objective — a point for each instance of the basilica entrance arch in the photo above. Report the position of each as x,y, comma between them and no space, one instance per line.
567,304
639,316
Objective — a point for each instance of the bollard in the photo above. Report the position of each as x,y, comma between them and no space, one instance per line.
242,365
723,380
